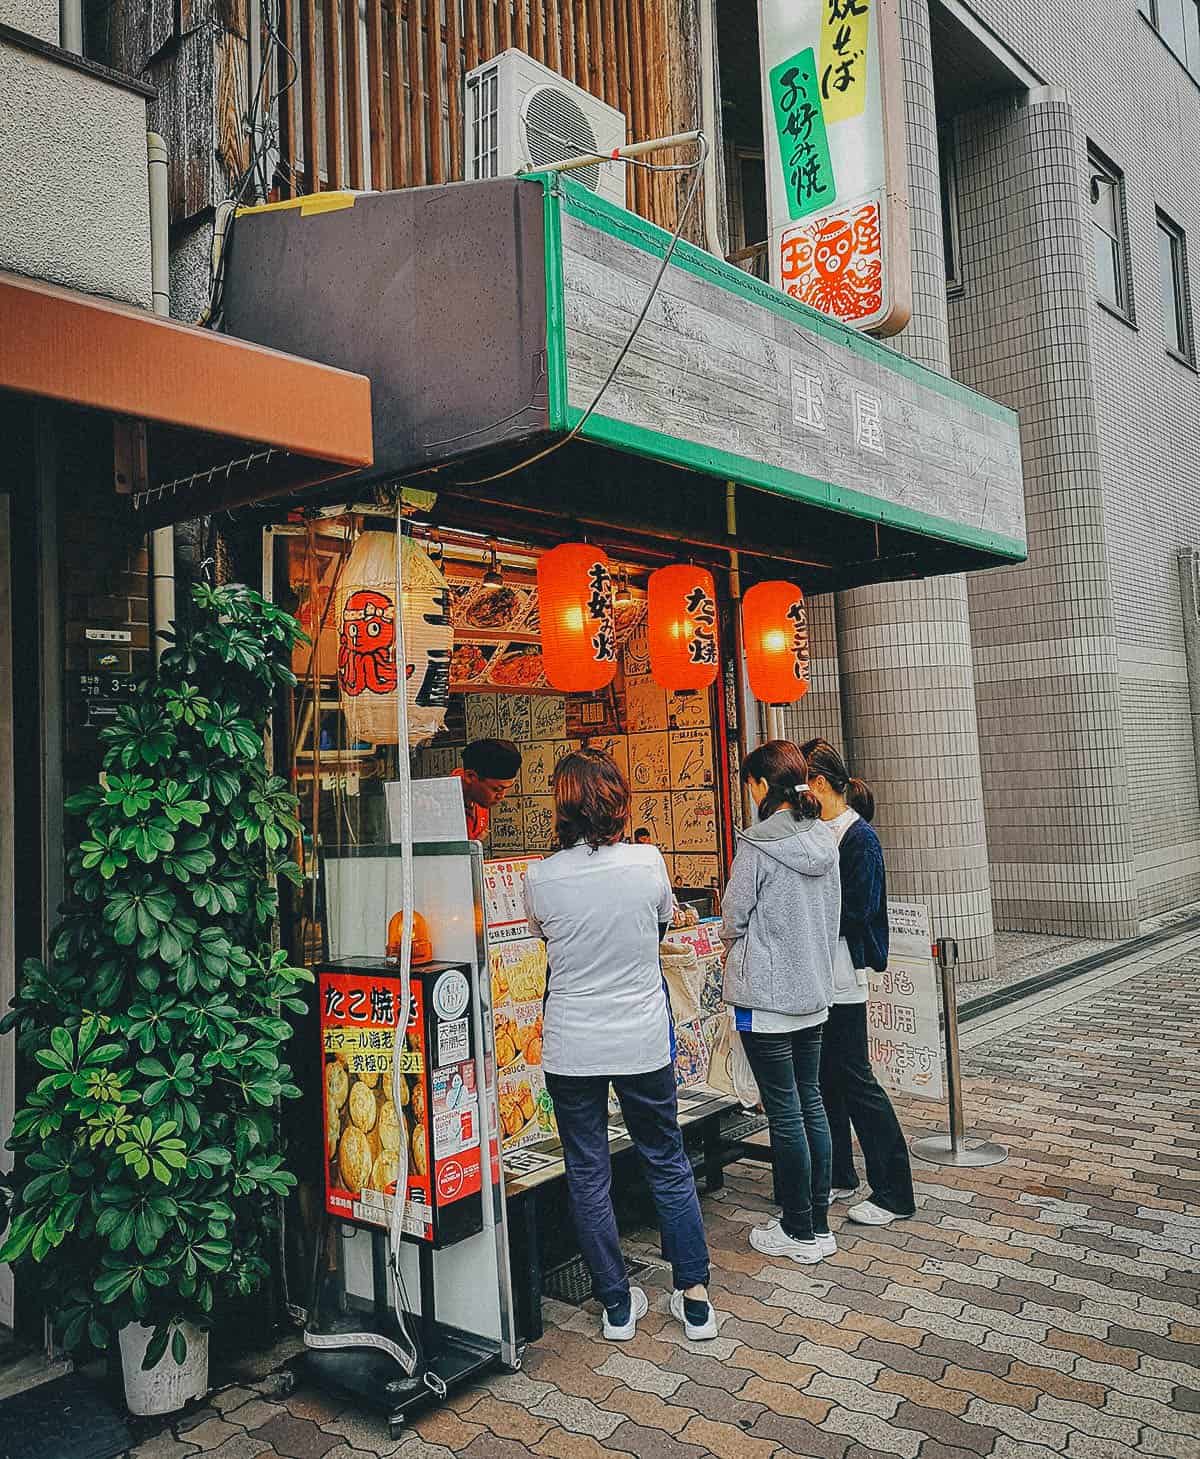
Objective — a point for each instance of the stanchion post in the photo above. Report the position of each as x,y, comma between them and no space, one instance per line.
954,1148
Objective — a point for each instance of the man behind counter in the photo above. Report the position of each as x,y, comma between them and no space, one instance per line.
489,771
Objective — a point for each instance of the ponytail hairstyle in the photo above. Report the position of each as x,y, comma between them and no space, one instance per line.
782,766
824,760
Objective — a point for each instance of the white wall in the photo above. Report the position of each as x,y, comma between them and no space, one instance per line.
34,17
73,169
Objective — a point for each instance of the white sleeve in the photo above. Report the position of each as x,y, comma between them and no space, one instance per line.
666,901
530,915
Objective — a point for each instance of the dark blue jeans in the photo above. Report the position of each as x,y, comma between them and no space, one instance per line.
787,1070
652,1119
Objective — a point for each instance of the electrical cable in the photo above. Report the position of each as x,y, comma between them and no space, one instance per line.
697,168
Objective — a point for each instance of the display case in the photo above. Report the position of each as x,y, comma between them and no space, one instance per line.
449,1284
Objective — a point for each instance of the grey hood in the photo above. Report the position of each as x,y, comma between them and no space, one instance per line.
798,845
781,911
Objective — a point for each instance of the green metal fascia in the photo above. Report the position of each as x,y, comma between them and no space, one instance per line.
726,466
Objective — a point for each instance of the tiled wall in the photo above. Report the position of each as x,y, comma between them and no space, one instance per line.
1089,772
904,648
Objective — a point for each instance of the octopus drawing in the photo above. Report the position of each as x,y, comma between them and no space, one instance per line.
834,263
367,646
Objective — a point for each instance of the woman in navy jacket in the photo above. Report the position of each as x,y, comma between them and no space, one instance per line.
852,1094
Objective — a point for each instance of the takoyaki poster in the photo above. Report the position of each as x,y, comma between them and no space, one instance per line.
517,962
363,1126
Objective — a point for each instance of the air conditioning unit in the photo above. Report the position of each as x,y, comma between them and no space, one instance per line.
522,115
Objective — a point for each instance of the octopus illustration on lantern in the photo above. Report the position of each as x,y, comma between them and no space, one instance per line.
367,648
835,263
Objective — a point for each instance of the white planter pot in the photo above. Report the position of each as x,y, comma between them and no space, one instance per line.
168,1385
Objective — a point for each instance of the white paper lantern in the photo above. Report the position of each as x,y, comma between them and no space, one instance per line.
366,617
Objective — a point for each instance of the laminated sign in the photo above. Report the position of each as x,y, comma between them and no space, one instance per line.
903,1030
836,169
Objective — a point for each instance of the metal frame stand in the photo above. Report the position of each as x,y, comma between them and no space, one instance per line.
956,1148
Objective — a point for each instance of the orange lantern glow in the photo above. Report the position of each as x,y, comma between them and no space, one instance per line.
681,603
422,943
775,638
575,604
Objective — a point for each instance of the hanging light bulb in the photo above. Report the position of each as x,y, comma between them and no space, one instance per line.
494,578
624,591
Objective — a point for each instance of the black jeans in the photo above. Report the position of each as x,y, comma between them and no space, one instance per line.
853,1096
648,1103
786,1069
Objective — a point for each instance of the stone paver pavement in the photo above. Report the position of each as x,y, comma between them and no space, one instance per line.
1044,1307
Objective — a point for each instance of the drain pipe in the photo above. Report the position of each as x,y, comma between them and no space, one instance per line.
70,25
710,125
162,541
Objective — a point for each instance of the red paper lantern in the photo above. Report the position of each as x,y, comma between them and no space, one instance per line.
775,638
681,604
575,603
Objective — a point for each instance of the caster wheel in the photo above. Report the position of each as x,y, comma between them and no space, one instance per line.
396,1428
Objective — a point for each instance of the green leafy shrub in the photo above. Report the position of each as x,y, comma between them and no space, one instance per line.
149,1154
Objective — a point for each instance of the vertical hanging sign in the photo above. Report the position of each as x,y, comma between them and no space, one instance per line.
833,119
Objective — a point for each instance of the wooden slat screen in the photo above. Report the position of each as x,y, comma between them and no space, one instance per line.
331,36
354,116
377,116
408,127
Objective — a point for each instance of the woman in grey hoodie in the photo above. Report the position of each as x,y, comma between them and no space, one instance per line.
781,915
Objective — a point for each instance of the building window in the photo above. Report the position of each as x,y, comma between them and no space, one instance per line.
951,240
1178,23
1107,193
1172,263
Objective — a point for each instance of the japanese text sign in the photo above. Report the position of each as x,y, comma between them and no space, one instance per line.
834,147
903,1030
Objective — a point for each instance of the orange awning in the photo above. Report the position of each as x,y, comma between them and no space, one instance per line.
225,421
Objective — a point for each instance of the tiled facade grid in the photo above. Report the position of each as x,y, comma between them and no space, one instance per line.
1064,704
1096,689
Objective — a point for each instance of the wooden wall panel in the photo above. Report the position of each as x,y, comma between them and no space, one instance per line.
454,91
332,41
308,83
401,160
640,56
377,114
354,116
433,86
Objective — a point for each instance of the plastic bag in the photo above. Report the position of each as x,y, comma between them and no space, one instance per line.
729,1070
685,980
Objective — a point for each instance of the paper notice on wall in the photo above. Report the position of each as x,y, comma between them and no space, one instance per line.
903,1014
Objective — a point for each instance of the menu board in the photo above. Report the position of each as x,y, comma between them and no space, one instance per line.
517,963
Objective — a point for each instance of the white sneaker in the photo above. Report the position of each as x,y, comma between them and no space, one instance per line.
773,1240
638,1307
827,1241
867,1213
841,1193
693,1331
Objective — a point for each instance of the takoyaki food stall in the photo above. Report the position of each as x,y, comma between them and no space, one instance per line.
609,468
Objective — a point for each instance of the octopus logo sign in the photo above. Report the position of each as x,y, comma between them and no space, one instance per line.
835,263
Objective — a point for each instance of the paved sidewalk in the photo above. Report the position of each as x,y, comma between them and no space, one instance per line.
1040,1308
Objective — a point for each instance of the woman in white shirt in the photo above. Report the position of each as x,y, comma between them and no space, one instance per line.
602,907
